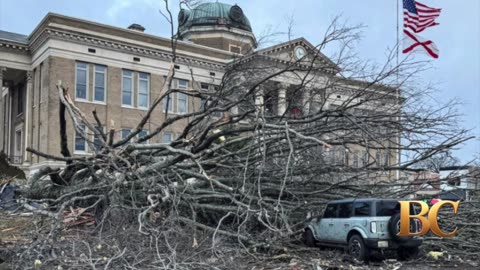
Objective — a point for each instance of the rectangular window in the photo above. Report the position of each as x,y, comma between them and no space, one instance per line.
127,88
181,103
182,84
167,137
81,85
355,159
99,93
361,209
235,49
143,90
125,132
330,211
204,86
364,158
18,141
170,103
340,156
80,142
96,138
387,208
142,134
378,157
345,210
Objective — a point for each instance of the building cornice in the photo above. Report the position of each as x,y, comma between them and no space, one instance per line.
255,56
97,42
15,46
114,38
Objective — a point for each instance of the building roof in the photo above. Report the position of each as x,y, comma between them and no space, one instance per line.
4,35
214,13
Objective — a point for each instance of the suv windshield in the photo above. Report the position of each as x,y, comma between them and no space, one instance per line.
389,208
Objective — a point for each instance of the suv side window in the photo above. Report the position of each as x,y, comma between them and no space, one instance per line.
330,211
361,209
345,210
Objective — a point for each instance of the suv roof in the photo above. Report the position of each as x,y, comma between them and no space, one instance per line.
360,200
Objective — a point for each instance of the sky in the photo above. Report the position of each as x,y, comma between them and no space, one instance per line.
456,74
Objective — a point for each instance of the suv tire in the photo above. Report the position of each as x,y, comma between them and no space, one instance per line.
308,238
357,249
405,254
393,228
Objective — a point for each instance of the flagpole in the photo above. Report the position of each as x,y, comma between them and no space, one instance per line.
398,35
397,173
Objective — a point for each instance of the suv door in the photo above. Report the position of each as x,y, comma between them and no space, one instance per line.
342,223
361,213
324,229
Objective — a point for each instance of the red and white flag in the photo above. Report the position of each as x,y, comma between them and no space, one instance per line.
415,43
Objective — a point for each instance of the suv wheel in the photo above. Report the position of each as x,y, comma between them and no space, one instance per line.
308,238
356,248
405,254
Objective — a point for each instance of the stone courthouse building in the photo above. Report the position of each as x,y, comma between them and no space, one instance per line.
118,72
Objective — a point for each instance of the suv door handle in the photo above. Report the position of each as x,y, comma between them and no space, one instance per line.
331,224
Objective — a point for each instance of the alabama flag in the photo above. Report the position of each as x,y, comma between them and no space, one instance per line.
415,43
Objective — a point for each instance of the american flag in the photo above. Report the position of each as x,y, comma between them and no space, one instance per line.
418,17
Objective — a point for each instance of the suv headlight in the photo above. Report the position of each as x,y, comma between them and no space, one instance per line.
373,226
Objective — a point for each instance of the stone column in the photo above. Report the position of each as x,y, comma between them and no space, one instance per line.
28,120
282,99
259,101
306,100
2,109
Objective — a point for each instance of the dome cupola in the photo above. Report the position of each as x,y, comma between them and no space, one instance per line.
217,25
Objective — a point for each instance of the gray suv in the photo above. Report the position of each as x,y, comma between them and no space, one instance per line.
362,226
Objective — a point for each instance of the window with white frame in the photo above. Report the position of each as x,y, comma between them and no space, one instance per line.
167,137
127,88
125,132
378,158
142,134
386,159
181,103
170,103
182,84
143,90
100,84
364,158
18,141
97,142
81,81
80,142
355,159
181,97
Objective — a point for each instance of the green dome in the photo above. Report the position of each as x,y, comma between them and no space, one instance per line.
214,14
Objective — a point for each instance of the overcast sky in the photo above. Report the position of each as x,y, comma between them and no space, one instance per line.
456,74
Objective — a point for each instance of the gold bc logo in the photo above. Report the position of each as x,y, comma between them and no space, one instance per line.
428,223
